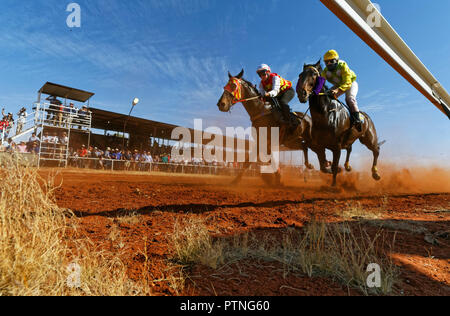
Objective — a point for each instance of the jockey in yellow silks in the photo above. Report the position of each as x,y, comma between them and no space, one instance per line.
343,79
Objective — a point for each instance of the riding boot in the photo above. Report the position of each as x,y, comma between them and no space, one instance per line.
356,121
290,122
279,110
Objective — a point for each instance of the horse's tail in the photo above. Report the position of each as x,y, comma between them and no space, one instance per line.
381,143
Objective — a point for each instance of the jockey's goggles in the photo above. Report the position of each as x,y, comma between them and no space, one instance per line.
262,72
331,61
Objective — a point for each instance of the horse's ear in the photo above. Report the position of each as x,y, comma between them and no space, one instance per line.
241,74
318,63
229,75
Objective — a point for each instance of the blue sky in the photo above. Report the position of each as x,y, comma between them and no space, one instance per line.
174,55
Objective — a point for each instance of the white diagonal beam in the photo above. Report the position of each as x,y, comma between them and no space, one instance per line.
390,46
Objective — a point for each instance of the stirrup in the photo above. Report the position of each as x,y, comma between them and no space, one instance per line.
357,124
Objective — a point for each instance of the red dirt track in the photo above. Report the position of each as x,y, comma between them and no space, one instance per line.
102,199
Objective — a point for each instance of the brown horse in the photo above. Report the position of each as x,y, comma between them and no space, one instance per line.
239,90
331,125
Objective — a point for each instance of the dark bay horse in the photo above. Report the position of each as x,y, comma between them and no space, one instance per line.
239,90
331,125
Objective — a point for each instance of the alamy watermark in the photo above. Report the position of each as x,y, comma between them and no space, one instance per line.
374,278
374,18
74,18
74,278
214,150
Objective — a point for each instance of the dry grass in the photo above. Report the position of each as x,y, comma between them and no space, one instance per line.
337,251
192,243
356,211
35,254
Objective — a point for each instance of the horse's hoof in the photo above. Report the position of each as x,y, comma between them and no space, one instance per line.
376,176
348,168
310,166
326,170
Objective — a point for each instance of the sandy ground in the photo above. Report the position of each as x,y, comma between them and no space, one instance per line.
136,213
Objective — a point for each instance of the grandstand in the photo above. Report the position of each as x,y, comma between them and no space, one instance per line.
61,128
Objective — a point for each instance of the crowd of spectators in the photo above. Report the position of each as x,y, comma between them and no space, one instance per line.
136,160
30,147
57,115
7,122
52,146
61,115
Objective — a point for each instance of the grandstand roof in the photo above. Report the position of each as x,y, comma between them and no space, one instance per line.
61,91
111,121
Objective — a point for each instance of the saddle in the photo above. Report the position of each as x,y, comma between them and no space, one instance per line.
334,111
280,116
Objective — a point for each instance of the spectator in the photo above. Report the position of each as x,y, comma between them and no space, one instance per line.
106,158
59,114
53,109
6,144
35,148
2,129
21,120
63,142
8,122
71,114
33,138
82,154
22,148
13,146
54,145
107,153
127,156
83,116
47,141
98,155
83,151
118,154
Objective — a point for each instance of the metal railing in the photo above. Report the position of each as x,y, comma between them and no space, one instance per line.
143,166
52,115
61,117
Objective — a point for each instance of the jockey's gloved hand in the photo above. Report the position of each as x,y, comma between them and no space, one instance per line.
330,93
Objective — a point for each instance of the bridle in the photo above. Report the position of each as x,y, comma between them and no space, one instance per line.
237,97
237,92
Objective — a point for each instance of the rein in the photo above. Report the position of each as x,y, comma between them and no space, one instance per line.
249,99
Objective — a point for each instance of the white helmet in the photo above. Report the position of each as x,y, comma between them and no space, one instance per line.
263,67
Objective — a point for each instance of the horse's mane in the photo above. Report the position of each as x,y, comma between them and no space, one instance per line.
251,86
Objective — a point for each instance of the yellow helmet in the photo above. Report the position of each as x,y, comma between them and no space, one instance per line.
331,54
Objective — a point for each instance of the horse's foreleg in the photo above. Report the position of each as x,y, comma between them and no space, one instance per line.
305,154
347,159
322,160
335,165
